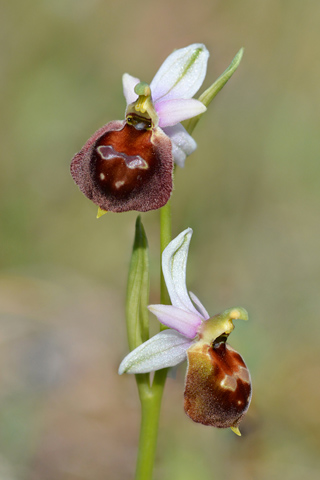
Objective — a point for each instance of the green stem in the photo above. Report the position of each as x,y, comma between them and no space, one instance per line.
150,413
165,239
150,397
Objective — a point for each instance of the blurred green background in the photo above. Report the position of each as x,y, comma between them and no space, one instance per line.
251,192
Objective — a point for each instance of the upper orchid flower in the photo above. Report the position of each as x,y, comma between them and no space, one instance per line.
128,164
218,385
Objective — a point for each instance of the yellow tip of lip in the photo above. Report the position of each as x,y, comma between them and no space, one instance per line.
236,431
238,313
101,212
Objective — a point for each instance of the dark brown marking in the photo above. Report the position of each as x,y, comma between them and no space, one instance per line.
126,159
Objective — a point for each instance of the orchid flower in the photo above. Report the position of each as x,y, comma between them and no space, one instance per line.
218,385
176,82
128,164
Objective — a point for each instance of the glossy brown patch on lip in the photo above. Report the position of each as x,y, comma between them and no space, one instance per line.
125,167
218,385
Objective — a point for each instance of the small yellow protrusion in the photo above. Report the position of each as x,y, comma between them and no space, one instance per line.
234,314
238,313
143,105
144,101
101,212
236,431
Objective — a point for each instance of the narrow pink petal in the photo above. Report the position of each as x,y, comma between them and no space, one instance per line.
201,308
186,323
166,349
129,83
182,143
172,112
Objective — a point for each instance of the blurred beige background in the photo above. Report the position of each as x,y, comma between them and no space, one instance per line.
250,192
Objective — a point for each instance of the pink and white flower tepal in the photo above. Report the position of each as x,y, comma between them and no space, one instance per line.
128,164
218,383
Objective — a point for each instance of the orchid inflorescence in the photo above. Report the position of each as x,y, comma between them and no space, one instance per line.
128,165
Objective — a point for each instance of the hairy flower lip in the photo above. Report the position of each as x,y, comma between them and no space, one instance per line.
220,395
151,195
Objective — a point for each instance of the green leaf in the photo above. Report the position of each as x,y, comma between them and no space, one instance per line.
138,290
207,96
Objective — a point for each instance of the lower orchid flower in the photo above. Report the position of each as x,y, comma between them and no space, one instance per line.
218,384
128,164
